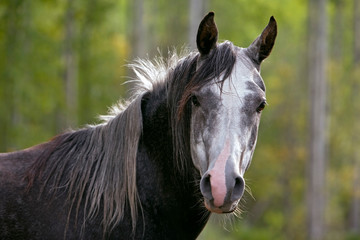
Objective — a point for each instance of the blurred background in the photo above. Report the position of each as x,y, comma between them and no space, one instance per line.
62,63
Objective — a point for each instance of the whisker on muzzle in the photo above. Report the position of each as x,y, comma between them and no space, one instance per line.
248,190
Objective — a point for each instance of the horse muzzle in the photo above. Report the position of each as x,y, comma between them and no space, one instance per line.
222,195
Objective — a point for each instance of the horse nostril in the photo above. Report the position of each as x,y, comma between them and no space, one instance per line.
239,188
205,186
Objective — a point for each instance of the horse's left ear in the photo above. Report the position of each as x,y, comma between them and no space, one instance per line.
207,34
262,46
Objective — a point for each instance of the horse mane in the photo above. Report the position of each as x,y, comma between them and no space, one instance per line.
96,165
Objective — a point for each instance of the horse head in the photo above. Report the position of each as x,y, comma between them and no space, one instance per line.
225,117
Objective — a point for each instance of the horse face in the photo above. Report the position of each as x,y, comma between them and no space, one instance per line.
225,119
224,127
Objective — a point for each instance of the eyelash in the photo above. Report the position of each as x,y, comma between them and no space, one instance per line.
195,101
261,107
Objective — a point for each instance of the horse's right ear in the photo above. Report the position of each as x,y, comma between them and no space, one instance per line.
262,46
207,34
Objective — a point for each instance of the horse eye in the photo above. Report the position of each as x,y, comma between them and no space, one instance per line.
195,101
261,107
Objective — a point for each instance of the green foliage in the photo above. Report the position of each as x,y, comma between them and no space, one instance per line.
32,66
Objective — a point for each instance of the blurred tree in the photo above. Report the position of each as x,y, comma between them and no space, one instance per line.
91,13
138,30
10,29
355,201
97,66
70,78
317,154
197,9
15,50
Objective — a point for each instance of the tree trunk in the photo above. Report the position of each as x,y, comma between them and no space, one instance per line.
317,82
336,49
196,12
84,63
138,32
356,33
70,81
355,203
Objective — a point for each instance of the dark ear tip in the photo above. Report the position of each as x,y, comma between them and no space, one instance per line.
272,22
272,26
210,16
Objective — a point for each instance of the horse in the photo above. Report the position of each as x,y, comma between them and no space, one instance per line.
158,164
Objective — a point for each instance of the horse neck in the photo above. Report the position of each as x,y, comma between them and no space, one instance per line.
158,133
158,141
156,124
